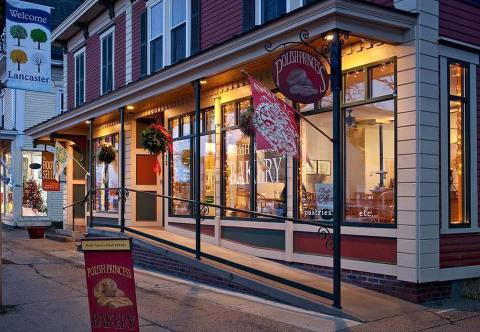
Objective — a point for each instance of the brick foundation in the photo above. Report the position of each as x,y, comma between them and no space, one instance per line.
153,261
383,283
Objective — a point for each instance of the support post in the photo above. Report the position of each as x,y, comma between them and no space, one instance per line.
91,185
338,136
196,171
122,169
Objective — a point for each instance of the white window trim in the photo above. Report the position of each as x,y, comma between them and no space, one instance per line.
290,5
447,53
167,29
75,55
59,97
102,37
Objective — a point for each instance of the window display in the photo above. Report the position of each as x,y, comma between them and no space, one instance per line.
106,176
34,199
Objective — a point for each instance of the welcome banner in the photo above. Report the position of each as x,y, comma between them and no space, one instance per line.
28,46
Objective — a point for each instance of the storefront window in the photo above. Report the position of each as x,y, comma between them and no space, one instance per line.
370,176
181,179
182,162
34,199
370,163
242,164
458,99
6,185
106,176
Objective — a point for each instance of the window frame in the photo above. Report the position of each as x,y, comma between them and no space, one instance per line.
77,54
191,138
253,169
366,67
104,35
466,161
167,33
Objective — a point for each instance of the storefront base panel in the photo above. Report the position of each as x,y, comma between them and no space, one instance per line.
386,284
458,250
204,229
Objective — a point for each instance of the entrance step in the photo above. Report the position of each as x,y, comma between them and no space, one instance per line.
64,235
155,256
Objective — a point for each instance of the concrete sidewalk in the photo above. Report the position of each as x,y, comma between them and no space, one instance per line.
45,291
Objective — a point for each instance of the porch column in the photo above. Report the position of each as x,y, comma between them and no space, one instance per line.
91,185
122,169
196,170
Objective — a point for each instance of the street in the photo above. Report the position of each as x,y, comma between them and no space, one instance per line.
44,289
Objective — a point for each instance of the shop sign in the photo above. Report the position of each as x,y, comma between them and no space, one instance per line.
28,46
49,183
110,284
300,76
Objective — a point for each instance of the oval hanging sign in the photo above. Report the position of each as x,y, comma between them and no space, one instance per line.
300,76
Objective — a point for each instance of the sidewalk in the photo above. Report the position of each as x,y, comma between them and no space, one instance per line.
44,289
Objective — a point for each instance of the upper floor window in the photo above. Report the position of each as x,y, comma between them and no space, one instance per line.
458,97
168,33
79,78
271,9
107,61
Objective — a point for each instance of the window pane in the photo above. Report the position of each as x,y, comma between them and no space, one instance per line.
156,28
457,80
237,172
315,169
272,9
382,80
457,190
179,43
181,162
106,176
228,111
207,171
243,105
209,116
354,86
174,127
186,125
271,183
156,54
178,12
370,163
34,200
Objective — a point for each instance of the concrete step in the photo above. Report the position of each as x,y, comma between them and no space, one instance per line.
59,237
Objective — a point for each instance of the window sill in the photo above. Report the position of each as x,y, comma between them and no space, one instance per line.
460,230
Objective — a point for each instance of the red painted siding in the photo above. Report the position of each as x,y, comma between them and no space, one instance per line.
120,52
92,58
137,10
219,21
366,248
460,21
459,250
70,81
204,229
478,133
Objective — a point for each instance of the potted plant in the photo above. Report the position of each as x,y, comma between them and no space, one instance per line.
156,140
245,122
32,198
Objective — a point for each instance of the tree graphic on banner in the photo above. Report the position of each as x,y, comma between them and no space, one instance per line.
32,196
38,36
18,32
18,57
38,59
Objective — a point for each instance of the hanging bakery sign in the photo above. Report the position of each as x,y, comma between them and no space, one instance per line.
300,76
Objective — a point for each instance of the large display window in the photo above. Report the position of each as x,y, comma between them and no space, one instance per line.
370,168
106,176
252,180
181,162
34,199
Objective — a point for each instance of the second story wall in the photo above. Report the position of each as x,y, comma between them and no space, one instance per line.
460,20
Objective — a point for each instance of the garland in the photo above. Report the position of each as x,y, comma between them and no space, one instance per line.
106,153
156,140
245,122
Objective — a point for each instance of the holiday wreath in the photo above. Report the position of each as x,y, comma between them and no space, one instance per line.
156,140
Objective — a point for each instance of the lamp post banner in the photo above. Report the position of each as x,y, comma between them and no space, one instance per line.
28,46
110,284
300,76
274,121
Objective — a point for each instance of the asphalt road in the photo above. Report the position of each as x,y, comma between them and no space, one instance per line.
44,290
